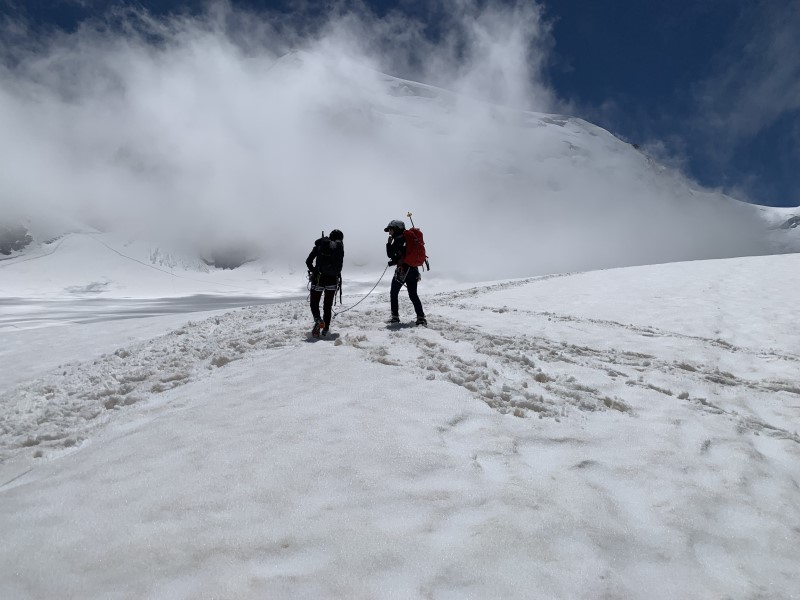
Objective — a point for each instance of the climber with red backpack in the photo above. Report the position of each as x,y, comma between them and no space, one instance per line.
405,249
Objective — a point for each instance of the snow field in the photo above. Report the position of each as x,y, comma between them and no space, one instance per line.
526,444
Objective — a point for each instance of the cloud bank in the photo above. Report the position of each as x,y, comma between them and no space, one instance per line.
204,131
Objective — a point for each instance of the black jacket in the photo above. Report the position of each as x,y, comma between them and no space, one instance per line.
396,248
329,256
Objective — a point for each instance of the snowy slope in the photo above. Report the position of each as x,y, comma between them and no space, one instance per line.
784,224
780,217
109,266
629,433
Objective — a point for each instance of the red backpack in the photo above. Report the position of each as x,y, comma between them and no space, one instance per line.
415,248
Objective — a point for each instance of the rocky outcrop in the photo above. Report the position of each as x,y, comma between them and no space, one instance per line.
13,239
791,223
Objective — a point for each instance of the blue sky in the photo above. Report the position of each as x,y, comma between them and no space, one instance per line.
708,86
717,82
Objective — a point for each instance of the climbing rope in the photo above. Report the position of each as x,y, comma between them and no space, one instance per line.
336,314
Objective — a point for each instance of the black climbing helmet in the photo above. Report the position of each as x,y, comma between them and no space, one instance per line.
396,225
336,235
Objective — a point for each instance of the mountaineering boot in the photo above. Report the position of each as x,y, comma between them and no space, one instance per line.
318,324
325,329
422,321
394,319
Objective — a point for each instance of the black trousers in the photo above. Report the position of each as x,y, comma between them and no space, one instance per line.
327,285
410,277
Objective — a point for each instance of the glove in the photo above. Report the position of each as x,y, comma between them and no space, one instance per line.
391,262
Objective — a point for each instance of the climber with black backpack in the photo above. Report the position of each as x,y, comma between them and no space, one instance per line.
406,250
325,276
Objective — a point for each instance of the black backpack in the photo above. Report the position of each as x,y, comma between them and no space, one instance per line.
330,256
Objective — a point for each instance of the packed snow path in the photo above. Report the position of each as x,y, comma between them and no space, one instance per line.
528,443
521,362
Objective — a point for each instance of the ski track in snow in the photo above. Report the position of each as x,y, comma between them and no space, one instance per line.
546,371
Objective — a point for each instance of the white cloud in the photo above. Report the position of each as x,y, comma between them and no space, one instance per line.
190,128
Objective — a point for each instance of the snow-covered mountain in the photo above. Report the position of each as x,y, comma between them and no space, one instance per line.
25,230
106,265
268,157
780,218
